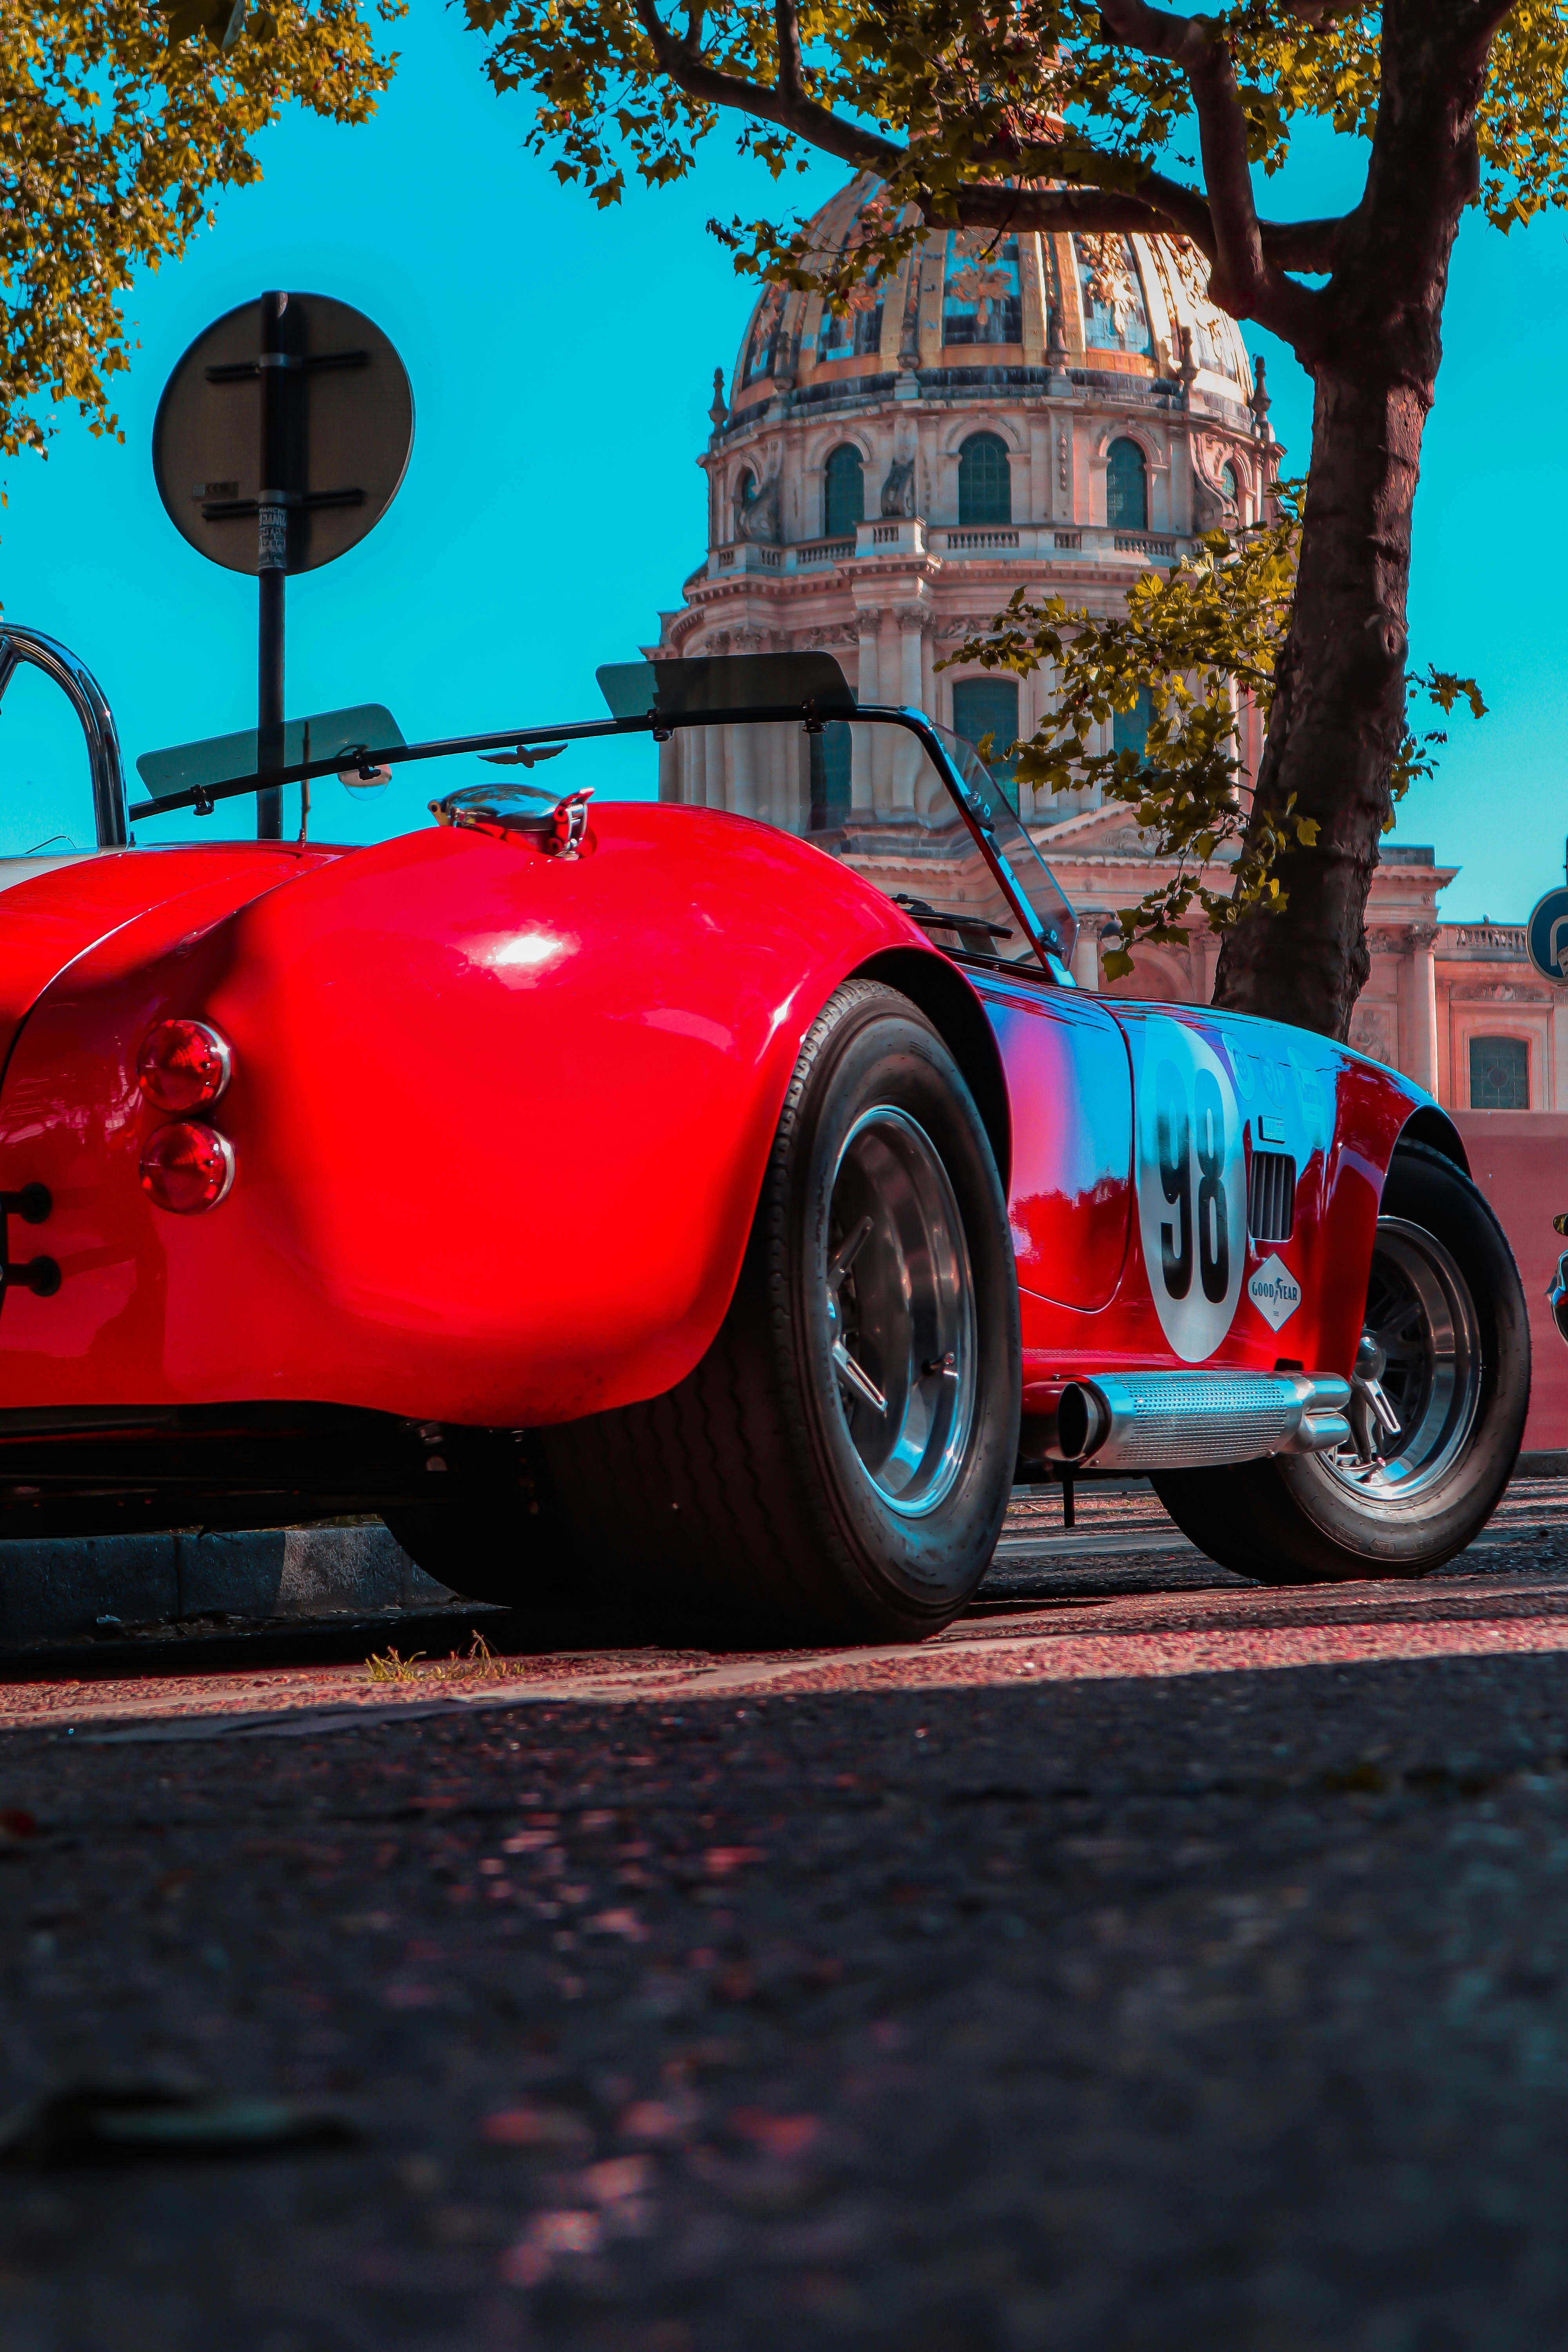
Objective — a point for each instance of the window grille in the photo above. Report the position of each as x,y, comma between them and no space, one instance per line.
1271,1196
1500,1074
984,481
1126,487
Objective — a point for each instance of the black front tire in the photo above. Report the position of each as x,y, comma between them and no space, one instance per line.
770,1474
1312,1519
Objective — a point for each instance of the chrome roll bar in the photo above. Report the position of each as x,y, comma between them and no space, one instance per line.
87,698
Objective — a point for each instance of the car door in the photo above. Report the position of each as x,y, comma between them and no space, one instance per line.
1071,1088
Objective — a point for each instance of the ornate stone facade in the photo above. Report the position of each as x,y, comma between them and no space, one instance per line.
1059,413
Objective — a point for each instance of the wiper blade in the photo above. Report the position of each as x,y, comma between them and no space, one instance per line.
937,919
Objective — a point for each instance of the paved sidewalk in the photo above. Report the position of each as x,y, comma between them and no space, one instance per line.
1156,1960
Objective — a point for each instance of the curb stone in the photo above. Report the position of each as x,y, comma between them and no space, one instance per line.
52,1588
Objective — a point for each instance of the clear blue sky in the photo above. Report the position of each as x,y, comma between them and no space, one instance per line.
562,361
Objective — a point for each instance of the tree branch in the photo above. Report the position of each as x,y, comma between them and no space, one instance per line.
1247,256
787,32
1244,280
817,124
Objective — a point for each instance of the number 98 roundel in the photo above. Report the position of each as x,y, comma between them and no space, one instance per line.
1192,1188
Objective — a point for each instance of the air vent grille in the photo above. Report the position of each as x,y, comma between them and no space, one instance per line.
1271,1196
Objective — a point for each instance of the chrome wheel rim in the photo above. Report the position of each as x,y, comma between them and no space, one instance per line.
900,1312
1419,1364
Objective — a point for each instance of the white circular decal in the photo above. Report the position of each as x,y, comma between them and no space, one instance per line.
1191,1189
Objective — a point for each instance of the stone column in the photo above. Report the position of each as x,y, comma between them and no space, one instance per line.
751,754
1424,1007
868,688
1086,949
741,796
884,740
908,760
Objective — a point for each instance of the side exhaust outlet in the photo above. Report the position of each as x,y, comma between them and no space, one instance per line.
1186,1420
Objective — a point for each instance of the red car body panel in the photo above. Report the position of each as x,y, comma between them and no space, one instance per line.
49,920
1338,1116
500,1122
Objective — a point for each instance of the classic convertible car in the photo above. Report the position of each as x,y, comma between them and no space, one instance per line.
688,1157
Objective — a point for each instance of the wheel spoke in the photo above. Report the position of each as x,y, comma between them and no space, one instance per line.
848,1250
1415,1385
855,1378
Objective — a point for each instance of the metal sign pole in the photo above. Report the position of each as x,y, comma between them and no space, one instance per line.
272,557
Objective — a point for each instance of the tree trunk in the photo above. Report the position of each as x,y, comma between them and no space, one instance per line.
1339,710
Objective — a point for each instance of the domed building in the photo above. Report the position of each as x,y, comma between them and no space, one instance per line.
1057,413
1054,411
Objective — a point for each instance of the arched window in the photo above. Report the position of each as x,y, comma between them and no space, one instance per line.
984,481
1227,483
843,491
1126,487
988,706
1500,1074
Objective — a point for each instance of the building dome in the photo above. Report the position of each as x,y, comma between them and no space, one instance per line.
1055,414
1124,306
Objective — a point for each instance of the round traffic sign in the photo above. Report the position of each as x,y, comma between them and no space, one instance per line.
1546,939
296,396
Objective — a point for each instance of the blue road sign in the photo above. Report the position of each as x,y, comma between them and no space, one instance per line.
1547,936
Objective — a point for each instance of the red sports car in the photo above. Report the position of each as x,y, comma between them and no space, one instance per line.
688,1157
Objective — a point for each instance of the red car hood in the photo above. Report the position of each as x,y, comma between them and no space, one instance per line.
54,910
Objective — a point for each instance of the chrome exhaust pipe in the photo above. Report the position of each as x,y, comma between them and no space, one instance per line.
1186,1420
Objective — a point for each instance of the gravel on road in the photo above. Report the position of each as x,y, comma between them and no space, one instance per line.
1155,1960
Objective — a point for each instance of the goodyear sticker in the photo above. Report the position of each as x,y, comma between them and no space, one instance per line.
1275,1292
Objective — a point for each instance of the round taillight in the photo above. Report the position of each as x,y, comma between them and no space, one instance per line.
187,1166
182,1064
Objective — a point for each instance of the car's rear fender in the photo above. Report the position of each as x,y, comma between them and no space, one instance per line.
500,1122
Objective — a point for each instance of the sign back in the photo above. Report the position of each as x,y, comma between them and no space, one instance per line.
316,397
1547,936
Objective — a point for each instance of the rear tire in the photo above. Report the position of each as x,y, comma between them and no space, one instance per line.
844,1451
1446,1310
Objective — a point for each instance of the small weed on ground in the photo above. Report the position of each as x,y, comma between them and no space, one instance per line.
480,1664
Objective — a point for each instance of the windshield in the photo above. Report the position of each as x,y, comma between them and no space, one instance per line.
867,791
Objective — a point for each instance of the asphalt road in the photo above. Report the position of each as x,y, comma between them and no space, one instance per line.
1156,1960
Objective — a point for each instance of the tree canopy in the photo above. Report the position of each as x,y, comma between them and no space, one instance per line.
1045,114
121,123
